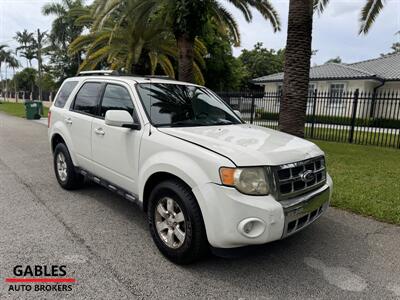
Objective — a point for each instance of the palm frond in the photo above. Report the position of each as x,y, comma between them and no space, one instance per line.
224,18
94,59
198,75
53,9
103,10
320,5
243,6
268,12
200,50
369,13
81,42
153,57
166,65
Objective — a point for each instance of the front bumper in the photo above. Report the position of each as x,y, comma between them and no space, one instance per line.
225,209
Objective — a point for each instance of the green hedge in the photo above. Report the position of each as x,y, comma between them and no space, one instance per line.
368,122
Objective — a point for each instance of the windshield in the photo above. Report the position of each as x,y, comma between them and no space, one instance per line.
177,105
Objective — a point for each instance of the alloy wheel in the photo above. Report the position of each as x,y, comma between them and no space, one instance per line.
61,166
170,222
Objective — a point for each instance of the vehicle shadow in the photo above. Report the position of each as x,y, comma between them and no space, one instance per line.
298,261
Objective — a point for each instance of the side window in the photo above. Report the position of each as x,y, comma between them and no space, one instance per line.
65,92
87,99
116,98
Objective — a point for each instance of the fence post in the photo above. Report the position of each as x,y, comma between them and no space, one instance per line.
313,113
252,109
354,116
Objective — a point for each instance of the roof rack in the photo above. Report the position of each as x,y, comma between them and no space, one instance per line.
99,72
158,76
116,73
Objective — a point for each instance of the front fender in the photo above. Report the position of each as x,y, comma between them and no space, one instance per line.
177,164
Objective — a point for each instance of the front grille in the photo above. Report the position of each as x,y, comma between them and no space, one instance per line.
295,179
304,221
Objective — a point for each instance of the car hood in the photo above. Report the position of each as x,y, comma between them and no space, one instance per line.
248,145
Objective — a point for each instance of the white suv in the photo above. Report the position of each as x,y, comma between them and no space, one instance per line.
202,175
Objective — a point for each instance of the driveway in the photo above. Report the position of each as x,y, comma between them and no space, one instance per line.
103,241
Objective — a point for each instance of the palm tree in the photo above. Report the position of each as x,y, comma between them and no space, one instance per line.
297,62
130,45
7,58
187,19
293,106
39,46
26,40
4,58
13,63
64,30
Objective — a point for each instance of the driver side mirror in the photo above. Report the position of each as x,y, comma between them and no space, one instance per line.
237,112
120,118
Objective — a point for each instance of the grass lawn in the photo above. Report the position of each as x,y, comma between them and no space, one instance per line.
387,137
17,109
366,179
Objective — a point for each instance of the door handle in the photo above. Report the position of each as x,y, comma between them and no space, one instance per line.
68,121
99,131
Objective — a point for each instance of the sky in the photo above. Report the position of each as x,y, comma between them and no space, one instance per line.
335,32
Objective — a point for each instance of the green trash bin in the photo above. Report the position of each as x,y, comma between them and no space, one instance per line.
40,107
32,110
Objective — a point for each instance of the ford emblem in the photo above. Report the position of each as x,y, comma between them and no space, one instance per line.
307,176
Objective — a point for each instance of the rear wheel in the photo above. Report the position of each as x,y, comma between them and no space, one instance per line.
64,169
176,223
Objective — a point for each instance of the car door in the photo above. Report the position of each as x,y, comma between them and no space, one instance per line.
79,121
115,150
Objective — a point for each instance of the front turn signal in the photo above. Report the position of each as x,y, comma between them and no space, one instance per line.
227,176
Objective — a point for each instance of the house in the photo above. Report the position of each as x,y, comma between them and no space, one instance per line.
381,74
335,83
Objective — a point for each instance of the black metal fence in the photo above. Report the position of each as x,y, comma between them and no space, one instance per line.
355,117
25,95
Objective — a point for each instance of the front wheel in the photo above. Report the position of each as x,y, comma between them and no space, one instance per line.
176,223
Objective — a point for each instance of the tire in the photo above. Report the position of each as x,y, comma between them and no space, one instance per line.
194,245
68,179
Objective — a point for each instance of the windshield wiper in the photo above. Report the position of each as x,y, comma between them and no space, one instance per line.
187,124
181,124
223,122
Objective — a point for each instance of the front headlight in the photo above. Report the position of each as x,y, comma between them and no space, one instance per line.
251,180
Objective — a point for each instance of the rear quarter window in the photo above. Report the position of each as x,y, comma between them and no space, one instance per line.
87,99
64,93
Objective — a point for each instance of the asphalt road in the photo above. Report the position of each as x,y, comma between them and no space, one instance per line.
105,244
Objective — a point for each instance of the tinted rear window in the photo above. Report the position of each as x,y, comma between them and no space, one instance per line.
65,92
87,99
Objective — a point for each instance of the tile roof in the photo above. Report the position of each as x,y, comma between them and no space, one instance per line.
386,67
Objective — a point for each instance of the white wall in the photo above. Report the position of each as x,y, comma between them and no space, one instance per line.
383,108
351,85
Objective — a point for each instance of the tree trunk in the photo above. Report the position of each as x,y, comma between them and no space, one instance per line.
1,81
293,107
39,59
6,89
185,58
